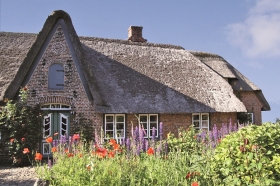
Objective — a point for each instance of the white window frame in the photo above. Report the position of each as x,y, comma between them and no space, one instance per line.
252,116
200,121
116,135
149,129
55,106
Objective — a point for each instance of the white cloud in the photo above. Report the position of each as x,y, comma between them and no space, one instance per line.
259,34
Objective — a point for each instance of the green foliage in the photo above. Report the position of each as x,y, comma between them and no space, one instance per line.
185,142
23,124
82,126
249,156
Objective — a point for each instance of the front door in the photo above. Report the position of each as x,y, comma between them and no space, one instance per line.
55,122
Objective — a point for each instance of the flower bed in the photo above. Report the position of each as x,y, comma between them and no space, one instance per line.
249,156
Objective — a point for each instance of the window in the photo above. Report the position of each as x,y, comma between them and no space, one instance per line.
245,117
56,77
148,121
200,121
114,126
55,106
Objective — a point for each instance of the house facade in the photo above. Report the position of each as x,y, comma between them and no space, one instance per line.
117,84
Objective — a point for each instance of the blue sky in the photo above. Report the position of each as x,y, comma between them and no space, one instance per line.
244,32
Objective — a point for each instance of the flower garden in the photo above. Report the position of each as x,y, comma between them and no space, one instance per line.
228,156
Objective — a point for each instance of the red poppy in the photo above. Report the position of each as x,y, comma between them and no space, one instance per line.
38,156
54,149
22,139
116,147
66,150
112,142
76,137
101,152
188,175
25,151
12,140
49,140
70,154
195,184
111,154
150,151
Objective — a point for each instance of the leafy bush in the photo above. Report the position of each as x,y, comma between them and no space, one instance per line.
249,156
24,127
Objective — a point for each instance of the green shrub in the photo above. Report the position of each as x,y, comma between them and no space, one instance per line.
24,126
249,156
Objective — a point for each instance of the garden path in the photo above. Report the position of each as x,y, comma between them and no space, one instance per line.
18,176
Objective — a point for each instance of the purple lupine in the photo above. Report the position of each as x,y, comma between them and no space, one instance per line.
54,143
146,145
202,136
160,131
141,138
138,150
153,134
235,127
210,136
70,140
215,133
230,129
136,134
49,163
128,145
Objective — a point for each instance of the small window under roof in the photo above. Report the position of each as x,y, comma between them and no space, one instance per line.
56,77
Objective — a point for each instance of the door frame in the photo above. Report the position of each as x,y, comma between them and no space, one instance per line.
51,109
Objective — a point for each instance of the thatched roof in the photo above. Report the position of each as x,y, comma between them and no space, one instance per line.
238,81
125,76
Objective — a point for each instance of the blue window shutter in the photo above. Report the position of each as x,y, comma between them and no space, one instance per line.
56,77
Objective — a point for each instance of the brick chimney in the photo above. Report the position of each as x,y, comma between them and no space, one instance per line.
135,34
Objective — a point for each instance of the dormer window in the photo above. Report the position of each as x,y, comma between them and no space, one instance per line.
56,77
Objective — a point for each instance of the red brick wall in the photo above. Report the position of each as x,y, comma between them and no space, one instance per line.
219,118
173,122
252,104
58,52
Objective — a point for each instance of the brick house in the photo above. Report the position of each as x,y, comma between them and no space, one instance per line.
117,83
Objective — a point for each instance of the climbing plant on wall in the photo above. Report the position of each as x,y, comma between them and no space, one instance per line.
24,127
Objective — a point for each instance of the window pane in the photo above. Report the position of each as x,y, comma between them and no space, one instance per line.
109,126
120,119
65,106
205,124
120,126
109,134
143,119
153,118
120,133
196,117
46,148
204,117
196,123
109,118
153,125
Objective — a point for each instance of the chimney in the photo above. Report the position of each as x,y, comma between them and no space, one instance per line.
135,34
